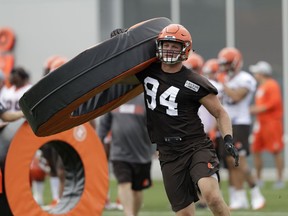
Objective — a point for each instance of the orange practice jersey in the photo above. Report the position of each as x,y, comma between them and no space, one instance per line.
269,95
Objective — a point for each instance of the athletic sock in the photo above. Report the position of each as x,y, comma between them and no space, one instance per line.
55,185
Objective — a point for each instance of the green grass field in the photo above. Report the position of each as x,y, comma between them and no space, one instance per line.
156,203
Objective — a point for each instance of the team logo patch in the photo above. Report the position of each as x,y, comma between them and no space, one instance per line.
80,133
210,166
192,86
145,183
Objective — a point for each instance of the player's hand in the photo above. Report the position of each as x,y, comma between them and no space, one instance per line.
117,31
230,148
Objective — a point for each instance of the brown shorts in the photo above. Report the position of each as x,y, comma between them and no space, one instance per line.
138,174
181,175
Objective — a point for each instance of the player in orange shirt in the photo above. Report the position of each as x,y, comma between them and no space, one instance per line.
268,127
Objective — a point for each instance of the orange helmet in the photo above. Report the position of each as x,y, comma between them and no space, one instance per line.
211,66
194,62
231,58
174,33
53,63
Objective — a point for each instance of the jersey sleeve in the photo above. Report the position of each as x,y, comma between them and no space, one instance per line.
247,81
141,76
144,73
205,87
104,125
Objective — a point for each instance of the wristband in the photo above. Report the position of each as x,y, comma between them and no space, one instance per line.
228,138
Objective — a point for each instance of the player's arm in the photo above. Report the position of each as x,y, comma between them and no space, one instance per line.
235,94
104,125
213,105
9,116
103,130
255,109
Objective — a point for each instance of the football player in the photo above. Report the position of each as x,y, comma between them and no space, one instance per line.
173,95
238,91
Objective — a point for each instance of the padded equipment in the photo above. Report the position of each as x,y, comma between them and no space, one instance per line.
85,166
91,84
7,39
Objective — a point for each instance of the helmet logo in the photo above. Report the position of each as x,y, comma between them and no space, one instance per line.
169,37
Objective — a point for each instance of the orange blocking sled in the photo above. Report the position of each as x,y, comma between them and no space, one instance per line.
81,140
6,65
7,39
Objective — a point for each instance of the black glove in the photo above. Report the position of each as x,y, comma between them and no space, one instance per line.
117,31
230,148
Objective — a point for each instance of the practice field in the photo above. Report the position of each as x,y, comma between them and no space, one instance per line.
156,203
200,213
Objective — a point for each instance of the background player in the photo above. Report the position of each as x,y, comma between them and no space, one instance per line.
238,91
268,127
130,152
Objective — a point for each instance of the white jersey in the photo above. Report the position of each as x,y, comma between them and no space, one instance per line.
219,88
239,112
208,120
10,96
